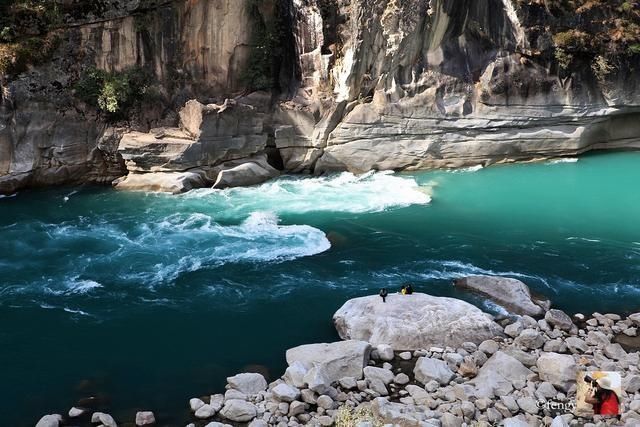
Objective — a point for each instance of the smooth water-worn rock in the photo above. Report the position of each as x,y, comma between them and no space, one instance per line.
428,369
411,322
559,319
105,419
285,392
145,418
498,375
249,383
558,369
512,294
239,410
328,363
253,171
52,420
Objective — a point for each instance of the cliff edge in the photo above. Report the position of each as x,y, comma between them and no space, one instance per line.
94,91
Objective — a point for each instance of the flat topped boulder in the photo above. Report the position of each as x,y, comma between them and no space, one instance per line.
511,294
321,365
412,322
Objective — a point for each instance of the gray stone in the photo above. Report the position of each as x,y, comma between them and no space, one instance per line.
348,383
385,352
295,373
450,420
325,420
296,408
285,392
515,422
413,322
52,420
245,174
512,294
384,375
145,418
405,355
489,347
248,383
427,369
76,412
558,369
514,329
527,358
379,387
195,404
576,345
631,383
401,379
559,319
328,363
615,351
106,419
558,421
528,405
547,390
235,394
216,402
530,339
498,375
325,402
555,346
239,411
204,412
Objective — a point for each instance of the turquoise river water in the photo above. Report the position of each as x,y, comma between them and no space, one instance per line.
145,300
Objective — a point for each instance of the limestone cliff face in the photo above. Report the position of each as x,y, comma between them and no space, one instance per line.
316,86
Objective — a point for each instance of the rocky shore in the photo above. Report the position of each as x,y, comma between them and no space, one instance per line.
420,360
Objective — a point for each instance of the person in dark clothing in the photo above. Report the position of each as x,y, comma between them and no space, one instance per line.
409,289
383,294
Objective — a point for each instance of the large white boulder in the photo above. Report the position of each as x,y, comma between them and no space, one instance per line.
328,363
511,294
412,322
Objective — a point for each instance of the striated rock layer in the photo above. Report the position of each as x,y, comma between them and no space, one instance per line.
317,86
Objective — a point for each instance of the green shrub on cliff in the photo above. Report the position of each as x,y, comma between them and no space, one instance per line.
116,92
16,57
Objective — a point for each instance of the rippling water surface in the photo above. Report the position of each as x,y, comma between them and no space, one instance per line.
148,299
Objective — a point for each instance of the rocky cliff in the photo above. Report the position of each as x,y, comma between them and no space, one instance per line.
171,95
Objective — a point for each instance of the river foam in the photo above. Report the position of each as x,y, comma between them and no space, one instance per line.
344,192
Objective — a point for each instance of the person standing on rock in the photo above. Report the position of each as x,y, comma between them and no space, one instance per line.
383,294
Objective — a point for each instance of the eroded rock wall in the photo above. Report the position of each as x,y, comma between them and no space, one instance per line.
339,85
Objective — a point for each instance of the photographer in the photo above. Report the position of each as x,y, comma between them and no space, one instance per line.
601,395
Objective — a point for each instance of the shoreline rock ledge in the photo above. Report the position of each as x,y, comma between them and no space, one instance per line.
511,294
414,322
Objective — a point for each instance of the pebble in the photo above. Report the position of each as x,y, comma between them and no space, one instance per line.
145,418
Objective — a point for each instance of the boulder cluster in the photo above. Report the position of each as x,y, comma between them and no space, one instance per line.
525,374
